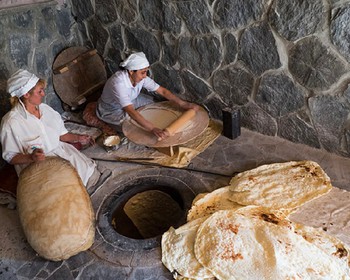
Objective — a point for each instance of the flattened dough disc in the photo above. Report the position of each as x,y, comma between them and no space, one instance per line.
162,114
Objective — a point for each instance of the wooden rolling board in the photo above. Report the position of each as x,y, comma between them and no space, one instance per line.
78,73
163,114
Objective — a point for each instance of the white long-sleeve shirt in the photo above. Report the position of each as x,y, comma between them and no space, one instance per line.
118,92
21,132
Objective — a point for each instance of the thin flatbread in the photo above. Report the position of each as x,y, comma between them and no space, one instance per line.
209,203
317,236
331,245
178,252
239,246
280,185
55,209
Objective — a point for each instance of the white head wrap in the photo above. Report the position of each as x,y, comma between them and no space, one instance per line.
135,61
21,82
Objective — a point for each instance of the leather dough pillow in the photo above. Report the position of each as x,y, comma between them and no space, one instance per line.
54,209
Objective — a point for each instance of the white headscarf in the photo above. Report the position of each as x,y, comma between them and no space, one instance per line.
21,82
135,61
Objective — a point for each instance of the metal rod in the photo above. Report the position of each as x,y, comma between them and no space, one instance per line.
159,165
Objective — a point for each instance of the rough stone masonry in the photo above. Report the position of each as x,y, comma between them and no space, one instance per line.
284,64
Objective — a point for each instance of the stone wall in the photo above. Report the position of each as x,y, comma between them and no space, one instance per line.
284,64
31,36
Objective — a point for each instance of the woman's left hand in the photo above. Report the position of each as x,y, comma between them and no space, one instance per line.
188,105
86,140
160,133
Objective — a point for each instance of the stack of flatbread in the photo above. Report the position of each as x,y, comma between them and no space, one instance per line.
242,231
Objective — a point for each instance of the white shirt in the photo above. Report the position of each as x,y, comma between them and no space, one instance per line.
22,132
118,93
119,88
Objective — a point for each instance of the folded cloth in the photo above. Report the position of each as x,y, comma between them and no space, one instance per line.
89,116
21,82
183,154
135,61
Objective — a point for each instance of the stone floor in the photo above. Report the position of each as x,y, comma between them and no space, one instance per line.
109,260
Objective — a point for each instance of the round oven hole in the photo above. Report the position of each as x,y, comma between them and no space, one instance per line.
148,213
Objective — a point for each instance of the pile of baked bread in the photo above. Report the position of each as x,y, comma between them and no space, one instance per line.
242,231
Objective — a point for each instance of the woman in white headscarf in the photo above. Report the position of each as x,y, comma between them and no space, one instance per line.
121,95
32,130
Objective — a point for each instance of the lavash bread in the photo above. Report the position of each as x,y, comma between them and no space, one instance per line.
55,210
317,236
205,205
256,242
235,245
178,252
327,243
285,185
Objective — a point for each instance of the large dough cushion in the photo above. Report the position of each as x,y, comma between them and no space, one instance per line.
55,209
182,125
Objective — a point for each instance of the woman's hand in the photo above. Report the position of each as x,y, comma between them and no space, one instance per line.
167,94
37,155
160,133
86,140
187,105
75,138
147,125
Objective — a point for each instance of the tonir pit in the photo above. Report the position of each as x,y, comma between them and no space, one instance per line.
149,213
142,206
182,125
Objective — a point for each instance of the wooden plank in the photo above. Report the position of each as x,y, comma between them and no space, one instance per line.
87,91
64,68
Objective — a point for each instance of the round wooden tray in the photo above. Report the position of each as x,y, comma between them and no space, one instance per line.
163,114
78,73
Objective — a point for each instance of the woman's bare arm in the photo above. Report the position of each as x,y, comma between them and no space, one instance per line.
136,116
172,97
35,156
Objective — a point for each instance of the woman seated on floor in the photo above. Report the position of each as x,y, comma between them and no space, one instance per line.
32,130
122,95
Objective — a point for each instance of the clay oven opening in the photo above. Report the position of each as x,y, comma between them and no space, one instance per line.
148,213
144,205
